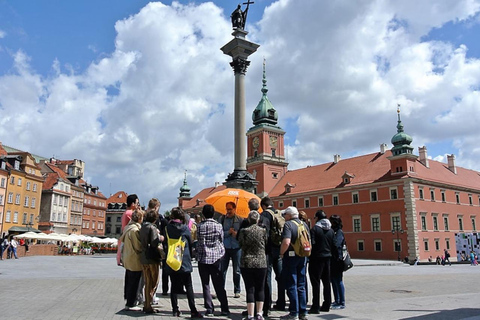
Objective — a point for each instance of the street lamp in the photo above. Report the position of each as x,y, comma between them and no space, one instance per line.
397,230
28,225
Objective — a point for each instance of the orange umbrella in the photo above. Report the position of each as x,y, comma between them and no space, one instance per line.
238,196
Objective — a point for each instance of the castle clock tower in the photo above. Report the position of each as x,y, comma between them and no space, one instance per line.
265,145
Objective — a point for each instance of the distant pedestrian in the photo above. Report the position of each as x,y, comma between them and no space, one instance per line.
473,259
4,244
253,263
210,251
131,256
447,257
336,275
13,247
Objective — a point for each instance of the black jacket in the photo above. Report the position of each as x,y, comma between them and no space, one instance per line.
323,241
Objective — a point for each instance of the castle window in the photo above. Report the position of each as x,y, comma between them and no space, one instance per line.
320,201
335,200
373,195
273,153
307,203
457,197
360,245
357,224
470,200
420,193
275,175
432,194
355,197
444,198
255,153
393,193
378,245
294,203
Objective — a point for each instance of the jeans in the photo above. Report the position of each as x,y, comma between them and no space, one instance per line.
235,255
294,275
215,272
338,288
277,268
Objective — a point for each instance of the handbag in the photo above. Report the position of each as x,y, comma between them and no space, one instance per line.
347,261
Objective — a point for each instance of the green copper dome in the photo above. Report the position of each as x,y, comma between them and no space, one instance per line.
401,141
185,189
264,112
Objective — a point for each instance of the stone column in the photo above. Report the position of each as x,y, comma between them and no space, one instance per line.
239,49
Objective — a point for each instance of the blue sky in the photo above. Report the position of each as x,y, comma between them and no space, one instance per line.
133,86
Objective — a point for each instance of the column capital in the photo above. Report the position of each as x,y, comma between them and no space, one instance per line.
239,65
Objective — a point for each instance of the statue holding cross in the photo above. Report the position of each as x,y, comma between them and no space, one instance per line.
239,17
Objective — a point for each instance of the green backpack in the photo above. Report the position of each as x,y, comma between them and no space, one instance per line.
302,245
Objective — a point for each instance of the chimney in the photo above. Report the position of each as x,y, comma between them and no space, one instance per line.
383,148
422,151
336,158
451,163
217,184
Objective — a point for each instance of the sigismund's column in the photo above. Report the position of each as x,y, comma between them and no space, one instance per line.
239,49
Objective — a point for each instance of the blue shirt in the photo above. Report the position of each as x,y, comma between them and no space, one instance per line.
229,240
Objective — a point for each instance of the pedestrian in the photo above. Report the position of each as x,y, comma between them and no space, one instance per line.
231,223
210,251
181,278
161,224
447,257
131,255
336,272
4,244
151,241
294,267
323,247
253,264
13,247
473,259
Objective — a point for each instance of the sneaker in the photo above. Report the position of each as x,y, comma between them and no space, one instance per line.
177,313
289,317
209,314
225,313
334,304
132,308
303,317
337,307
236,295
259,317
313,311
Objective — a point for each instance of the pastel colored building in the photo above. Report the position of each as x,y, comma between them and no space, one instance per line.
94,211
116,206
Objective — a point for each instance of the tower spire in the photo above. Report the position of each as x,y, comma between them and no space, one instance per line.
264,113
185,189
401,141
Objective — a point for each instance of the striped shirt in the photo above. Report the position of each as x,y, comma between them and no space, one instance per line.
210,246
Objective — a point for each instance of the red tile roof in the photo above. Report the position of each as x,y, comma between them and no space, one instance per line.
367,169
119,197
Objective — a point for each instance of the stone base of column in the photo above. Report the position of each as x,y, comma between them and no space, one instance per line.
241,179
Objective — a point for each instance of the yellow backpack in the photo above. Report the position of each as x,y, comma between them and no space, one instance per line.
176,247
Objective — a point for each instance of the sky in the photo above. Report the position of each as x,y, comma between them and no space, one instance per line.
141,92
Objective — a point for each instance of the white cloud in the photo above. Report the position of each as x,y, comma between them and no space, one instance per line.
162,101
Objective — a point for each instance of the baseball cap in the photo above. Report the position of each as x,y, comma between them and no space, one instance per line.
290,210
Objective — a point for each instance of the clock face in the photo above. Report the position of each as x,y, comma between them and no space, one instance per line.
273,141
256,142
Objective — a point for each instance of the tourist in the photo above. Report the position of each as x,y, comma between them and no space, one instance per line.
176,229
274,232
294,267
319,263
131,255
151,245
132,204
336,272
210,251
253,264
231,224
